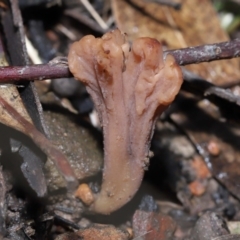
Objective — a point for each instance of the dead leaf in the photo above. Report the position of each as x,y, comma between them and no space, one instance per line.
195,24
14,115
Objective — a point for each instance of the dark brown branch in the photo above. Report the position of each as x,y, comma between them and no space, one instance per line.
33,72
207,53
228,103
168,3
185,56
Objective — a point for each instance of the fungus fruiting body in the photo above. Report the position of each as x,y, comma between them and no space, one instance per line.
130,88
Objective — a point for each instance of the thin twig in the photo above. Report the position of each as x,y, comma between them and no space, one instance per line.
94,14
82,18
184,56
207,53
169,3
69,34
33,72
45,144
199,149
228,103
203,88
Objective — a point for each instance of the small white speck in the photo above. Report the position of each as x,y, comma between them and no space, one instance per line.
222,175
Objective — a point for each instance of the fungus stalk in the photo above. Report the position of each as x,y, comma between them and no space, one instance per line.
130,89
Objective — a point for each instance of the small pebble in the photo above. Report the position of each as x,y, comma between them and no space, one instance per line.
209,226
85,194
213,148
197,188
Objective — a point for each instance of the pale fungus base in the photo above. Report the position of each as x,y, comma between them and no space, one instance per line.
130,89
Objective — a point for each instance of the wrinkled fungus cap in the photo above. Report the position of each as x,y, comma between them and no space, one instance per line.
130,89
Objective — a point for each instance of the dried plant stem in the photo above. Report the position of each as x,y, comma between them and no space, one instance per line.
169,3
207,53
94,14
185,56
33,72
54,154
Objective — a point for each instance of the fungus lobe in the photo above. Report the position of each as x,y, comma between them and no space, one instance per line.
130,88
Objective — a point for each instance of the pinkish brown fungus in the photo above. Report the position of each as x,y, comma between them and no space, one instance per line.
130,89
